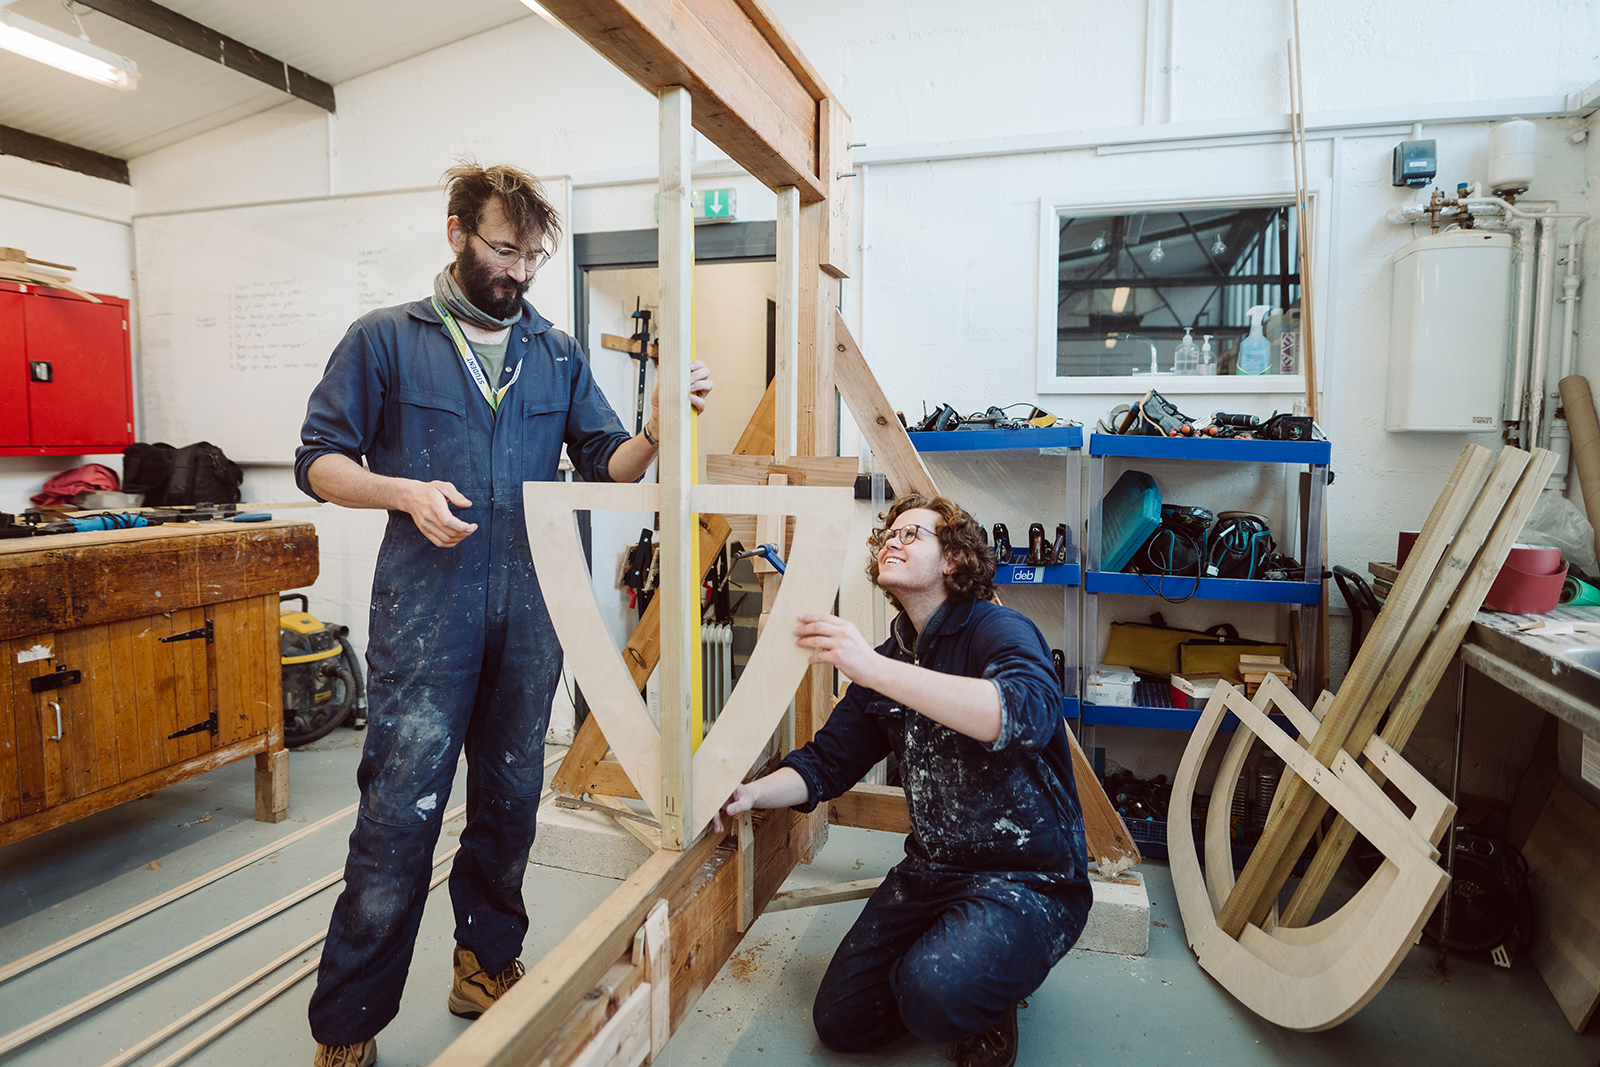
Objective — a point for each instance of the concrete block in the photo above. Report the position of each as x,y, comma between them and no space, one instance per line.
574,839
1119,921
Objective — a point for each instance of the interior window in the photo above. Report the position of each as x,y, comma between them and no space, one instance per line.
1129,284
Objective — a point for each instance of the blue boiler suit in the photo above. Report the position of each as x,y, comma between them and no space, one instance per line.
994,887
461,648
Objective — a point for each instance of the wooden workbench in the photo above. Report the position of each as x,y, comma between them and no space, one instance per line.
113,642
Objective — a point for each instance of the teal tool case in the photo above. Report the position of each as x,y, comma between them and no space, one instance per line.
1131,514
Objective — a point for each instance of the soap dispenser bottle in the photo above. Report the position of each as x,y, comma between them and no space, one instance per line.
1186,360
1208,358
1255,355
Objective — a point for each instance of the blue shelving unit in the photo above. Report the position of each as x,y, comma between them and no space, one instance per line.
1315,455
996,440
1186,588
1022,574
1155,718
1223,450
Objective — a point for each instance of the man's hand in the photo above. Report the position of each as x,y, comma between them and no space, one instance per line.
700,386
742,800
340,479
428,504
839,643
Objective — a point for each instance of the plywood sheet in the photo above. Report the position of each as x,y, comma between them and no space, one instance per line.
1563,854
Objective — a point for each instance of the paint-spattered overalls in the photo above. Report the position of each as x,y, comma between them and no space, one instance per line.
993,889
461,649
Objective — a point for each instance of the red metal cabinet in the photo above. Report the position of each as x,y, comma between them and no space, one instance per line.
14,427
66,383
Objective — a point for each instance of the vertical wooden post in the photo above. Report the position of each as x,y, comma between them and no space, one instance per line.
787,362
272,786
675,465
818,423
746,905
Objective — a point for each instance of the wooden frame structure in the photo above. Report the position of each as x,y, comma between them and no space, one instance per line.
727,69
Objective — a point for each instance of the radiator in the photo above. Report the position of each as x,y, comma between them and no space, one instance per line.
716,667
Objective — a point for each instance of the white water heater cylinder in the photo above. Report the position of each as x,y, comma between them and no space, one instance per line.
1448,343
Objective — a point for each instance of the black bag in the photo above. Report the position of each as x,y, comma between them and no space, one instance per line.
1241,544
194,474
1177,546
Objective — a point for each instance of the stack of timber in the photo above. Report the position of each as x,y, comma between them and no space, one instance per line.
17,266
1312,976
1254,670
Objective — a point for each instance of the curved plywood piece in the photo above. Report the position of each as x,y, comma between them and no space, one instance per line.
591,653
1219,835
753,711
1313,978
759,700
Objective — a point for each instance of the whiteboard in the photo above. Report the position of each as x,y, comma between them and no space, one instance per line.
240,307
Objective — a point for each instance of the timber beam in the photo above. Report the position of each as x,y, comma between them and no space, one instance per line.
757,102
37,148
550,1012
203,41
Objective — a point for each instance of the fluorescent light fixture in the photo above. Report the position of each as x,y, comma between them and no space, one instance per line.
38,41
538,9
1119,299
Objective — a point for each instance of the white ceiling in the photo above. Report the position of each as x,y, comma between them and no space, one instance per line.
182,94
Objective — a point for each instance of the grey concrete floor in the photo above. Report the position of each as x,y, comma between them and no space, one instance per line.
1097,1009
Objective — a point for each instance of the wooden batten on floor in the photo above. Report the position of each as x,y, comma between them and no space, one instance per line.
816,896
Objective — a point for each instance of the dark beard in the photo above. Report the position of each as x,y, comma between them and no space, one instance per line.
496,294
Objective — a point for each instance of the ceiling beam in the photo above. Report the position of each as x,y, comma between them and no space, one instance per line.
53,153
185,32
754,95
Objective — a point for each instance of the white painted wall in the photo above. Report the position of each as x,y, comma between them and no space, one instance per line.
945,287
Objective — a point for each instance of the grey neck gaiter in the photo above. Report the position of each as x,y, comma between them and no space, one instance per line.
455,301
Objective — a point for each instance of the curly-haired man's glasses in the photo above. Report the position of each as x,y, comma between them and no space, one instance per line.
907,533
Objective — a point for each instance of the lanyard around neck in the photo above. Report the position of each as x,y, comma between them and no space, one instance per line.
493,396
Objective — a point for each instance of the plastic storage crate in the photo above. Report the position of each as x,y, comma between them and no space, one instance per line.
1151,837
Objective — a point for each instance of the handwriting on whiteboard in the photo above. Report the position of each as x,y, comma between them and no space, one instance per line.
274,325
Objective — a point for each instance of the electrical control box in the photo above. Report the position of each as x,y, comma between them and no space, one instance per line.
1416,163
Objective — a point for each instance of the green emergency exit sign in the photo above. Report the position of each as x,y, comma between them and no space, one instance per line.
710,205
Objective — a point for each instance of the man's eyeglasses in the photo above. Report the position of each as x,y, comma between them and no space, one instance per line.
905,534
506,258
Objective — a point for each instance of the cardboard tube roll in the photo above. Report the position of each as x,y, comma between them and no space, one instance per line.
1585,430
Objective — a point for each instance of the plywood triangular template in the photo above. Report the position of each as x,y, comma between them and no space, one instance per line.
776,666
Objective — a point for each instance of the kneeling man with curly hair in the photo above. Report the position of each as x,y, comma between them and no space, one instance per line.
993,889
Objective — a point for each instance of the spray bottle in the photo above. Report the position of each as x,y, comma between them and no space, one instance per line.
1255,355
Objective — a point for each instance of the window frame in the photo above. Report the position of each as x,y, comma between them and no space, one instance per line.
1234,194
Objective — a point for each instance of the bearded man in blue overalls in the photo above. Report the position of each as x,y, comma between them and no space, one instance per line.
454,401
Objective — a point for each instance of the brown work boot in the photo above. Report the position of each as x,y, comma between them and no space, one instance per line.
475,988
362,1055
995,1047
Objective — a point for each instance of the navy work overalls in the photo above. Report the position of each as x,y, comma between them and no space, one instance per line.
994,888
461,649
